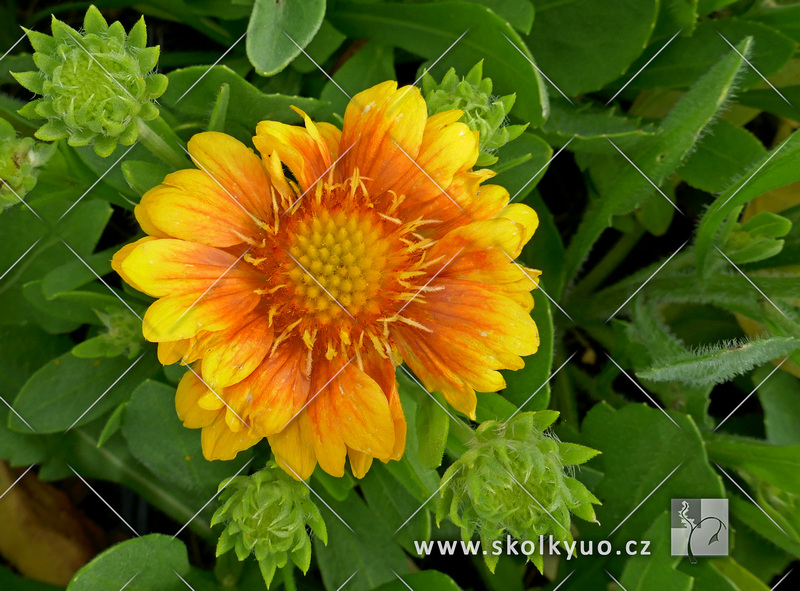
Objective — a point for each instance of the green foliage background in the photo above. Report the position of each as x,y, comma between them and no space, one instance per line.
631,105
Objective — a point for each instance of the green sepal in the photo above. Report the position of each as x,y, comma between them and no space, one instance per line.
94,22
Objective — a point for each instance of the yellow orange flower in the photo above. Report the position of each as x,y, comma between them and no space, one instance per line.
293,298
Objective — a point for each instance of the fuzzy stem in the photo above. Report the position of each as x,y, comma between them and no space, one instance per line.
289,583
158,137
608,263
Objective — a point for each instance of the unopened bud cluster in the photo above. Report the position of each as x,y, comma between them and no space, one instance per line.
483,112
20,159
266,514
95,86
514,480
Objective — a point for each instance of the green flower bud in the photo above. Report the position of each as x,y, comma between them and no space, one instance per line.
123,336
757,238
514,479
19,160
95,86
482,111
266,514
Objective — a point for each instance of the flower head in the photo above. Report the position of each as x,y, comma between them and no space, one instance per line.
19,160
513,479
266,514
296,298
94,86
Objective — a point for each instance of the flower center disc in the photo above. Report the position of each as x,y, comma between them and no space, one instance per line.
339,262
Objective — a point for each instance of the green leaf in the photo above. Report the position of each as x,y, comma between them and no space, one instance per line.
371,550
278,30
737,575
371,65
656,572
776,169
519,13
74,274
322,47
659,157
66,311
752,516
780,399
427,580
148,563
22,351
338,488
591,128
720,363
776,464
786,18
220,112
113,424
674,16
721,156
521,180
412,28
63,389
567,34
142,176
173,453
393,505
433,425
687,58
634,465
252,105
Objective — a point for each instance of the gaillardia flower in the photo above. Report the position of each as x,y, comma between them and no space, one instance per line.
296,298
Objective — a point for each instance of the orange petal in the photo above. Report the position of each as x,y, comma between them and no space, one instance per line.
190,390
229,356
382,133
293,448
220,443
383,372
304,150
473,333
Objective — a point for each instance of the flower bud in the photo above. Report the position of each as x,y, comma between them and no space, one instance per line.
266,514
482,111
123,336
514,479
94,86
19,160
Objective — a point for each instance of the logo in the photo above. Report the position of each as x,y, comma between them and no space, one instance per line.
699,527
